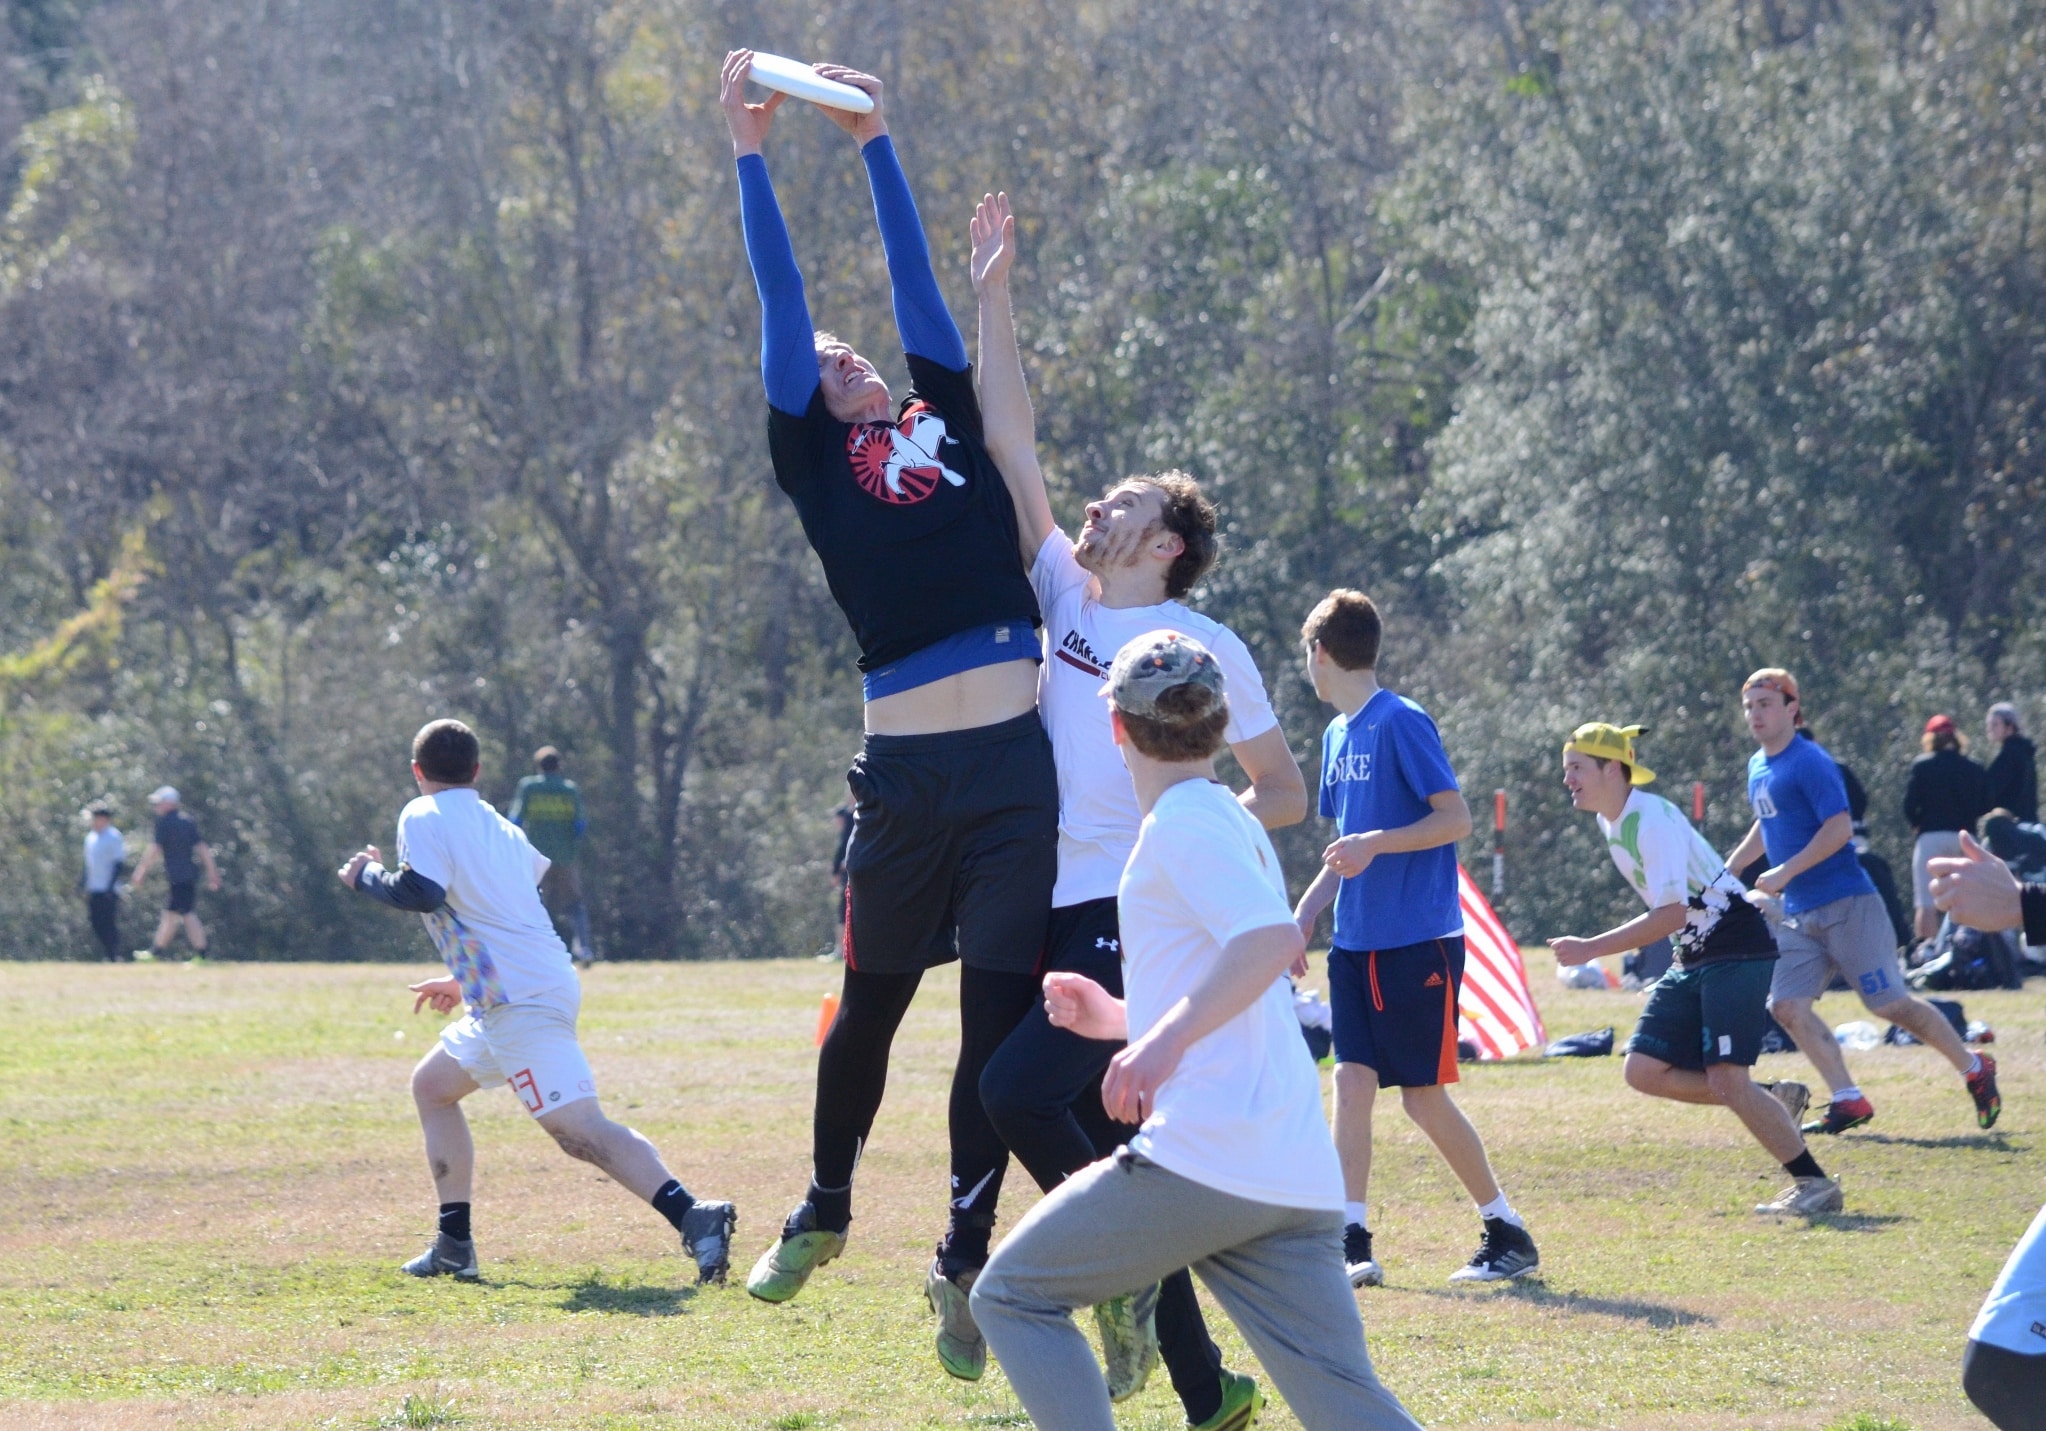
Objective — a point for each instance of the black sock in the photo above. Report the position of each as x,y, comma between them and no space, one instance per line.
454,1220
1804,1165
833,1207
673,1202
965,1243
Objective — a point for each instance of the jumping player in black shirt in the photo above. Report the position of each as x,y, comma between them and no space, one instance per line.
955,803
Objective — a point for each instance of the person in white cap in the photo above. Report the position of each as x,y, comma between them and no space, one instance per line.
183,851
1233,1171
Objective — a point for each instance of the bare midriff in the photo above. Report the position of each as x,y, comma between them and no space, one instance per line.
985,695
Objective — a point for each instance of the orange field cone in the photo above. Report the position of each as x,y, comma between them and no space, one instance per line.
824,1017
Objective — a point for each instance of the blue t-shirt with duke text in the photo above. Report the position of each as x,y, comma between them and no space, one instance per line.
1378,768
1794,792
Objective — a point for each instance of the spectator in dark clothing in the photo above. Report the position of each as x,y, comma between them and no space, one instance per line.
1874,865
1946,794
2019,844
2014,774
183,852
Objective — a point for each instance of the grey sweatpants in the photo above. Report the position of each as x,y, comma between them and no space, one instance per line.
1126,1222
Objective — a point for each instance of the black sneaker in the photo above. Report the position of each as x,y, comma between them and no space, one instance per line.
1505,1251
1357,1259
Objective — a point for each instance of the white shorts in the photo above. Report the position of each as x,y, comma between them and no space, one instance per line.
531,1046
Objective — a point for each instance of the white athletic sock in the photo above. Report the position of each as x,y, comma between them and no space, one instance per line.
1501,1208
1974,1065
1847,1094
1353,1212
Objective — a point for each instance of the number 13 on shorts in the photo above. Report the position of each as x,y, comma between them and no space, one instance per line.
528,1091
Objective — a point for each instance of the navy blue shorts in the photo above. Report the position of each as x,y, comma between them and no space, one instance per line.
183,897
1395,1010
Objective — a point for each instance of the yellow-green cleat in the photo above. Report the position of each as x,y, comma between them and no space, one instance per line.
785,1267
1129,1340
962,1350
1241,1402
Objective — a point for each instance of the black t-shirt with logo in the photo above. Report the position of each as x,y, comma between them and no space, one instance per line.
911,519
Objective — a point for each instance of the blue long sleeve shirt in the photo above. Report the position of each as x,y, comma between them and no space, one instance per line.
788,355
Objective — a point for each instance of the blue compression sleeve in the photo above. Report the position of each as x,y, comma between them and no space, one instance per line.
921,316
409,889
788,345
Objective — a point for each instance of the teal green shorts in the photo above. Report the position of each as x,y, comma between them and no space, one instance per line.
1712,1014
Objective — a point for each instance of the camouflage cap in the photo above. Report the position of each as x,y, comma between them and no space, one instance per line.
1160,661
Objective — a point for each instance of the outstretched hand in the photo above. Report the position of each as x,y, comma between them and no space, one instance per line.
352,871
748,122
1570,950
862,127
443,994
994,241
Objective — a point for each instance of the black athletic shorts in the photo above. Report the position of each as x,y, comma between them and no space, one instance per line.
183,895
954,849
1086,938
1715,1013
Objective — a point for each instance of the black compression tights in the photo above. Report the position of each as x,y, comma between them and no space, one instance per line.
852,1074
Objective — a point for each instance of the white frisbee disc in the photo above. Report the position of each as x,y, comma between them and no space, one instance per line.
792,77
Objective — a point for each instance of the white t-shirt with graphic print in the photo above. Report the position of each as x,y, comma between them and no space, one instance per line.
1098,815
1666,861
493,933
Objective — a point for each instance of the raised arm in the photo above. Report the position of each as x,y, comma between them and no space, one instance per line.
788,347
1009,426
921,316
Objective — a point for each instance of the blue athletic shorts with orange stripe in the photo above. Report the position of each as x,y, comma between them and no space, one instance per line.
1395,1010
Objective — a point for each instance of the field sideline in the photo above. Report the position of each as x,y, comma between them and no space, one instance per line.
213,1172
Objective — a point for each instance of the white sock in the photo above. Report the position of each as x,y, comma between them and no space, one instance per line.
1847,1094
1500,1207
1353,1212
1975,1066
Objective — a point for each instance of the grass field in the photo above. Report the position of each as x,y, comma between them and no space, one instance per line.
211,1173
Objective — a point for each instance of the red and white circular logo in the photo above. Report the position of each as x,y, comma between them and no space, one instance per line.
899,462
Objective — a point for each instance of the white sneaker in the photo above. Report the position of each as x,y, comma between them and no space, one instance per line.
1807,1197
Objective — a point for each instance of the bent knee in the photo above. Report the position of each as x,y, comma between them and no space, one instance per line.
1725,1079
577,1145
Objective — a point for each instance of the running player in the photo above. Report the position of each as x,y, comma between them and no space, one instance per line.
548,806
1833,920
474,876
955,803
1232,1169
1144,546
184,852
1701,1031
1396,963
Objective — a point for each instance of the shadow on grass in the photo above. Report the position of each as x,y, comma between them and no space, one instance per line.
1655,1314
1994,1142
594,1294
1859,1221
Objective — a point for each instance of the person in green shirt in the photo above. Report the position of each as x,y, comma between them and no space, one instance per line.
549,808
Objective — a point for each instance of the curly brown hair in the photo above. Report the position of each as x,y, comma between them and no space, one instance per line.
1189,516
